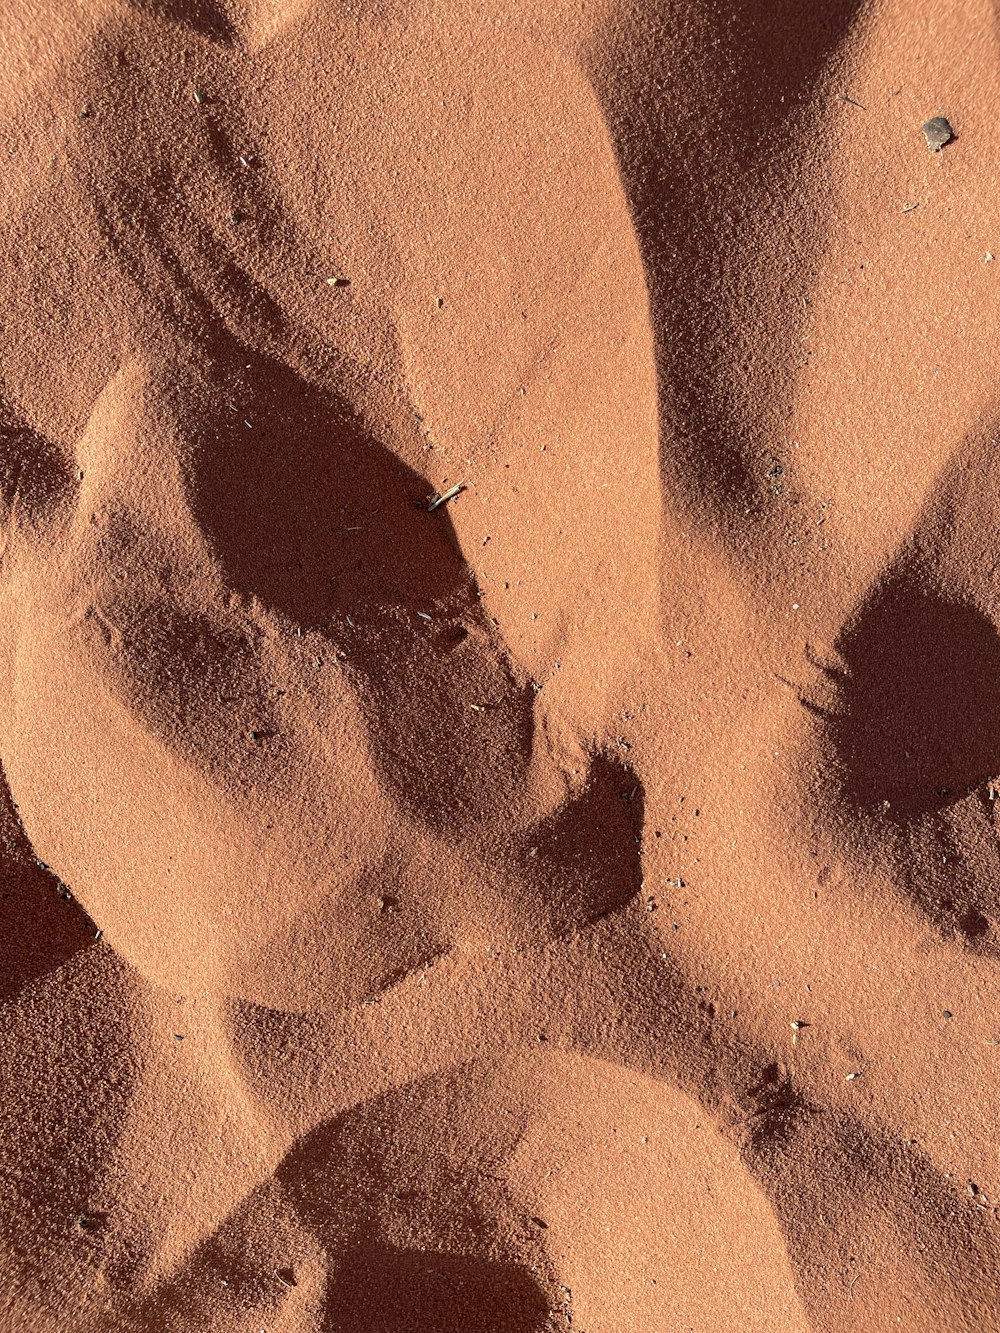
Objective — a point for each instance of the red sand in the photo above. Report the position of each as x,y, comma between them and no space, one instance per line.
574,906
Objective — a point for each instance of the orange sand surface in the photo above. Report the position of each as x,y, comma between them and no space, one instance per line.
499,666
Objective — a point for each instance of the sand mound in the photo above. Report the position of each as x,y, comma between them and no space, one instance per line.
500,659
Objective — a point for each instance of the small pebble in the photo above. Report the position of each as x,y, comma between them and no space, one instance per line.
938,133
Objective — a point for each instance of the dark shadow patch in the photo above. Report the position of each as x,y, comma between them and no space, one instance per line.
973,925
948,862
380,1289
309,509
205,17
34,476
779,1108
41,923
375,1166
918,722
585,862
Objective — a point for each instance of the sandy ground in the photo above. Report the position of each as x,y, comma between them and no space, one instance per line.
573,904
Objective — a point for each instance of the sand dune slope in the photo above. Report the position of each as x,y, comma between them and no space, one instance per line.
499,667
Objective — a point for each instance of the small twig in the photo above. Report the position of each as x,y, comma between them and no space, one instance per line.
844,98
437,500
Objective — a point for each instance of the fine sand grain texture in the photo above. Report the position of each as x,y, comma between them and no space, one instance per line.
499,666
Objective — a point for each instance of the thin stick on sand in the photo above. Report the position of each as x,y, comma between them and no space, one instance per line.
436,501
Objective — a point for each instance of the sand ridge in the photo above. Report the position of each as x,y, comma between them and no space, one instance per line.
571,905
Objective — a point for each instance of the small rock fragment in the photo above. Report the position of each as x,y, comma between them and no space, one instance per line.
938,133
